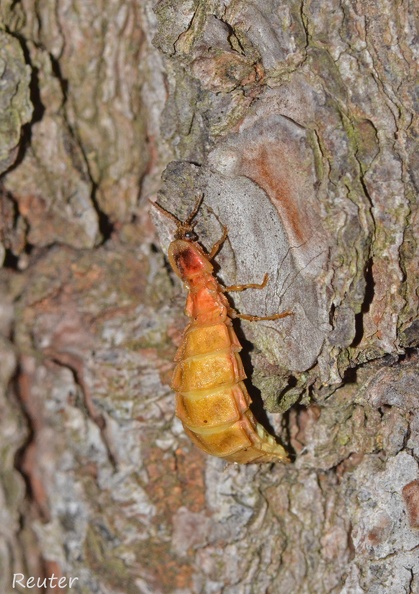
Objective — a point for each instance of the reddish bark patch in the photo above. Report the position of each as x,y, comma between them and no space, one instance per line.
262,167
381,531
302,423
29,463
349,464
175,481
226,71
411,498
165,573
53,569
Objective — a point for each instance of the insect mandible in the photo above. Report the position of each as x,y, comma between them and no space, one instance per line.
211,398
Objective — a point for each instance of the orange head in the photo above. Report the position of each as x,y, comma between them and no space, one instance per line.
188,260
186,257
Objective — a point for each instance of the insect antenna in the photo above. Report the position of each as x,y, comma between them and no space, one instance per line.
194,210
166,213
185,229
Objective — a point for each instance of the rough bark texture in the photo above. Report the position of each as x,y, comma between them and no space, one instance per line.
297,122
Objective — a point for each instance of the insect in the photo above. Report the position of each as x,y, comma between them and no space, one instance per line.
211,398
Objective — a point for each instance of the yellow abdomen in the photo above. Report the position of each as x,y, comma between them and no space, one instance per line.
212,401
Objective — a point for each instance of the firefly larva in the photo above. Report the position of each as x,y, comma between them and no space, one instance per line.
211,399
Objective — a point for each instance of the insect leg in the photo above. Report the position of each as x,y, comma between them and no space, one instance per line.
218,244
251,318
261,285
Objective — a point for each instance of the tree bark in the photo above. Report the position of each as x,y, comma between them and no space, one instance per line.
296,121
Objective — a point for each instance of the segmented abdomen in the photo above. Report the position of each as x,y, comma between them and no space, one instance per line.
211,399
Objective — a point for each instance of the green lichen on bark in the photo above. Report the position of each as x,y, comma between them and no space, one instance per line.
15,104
